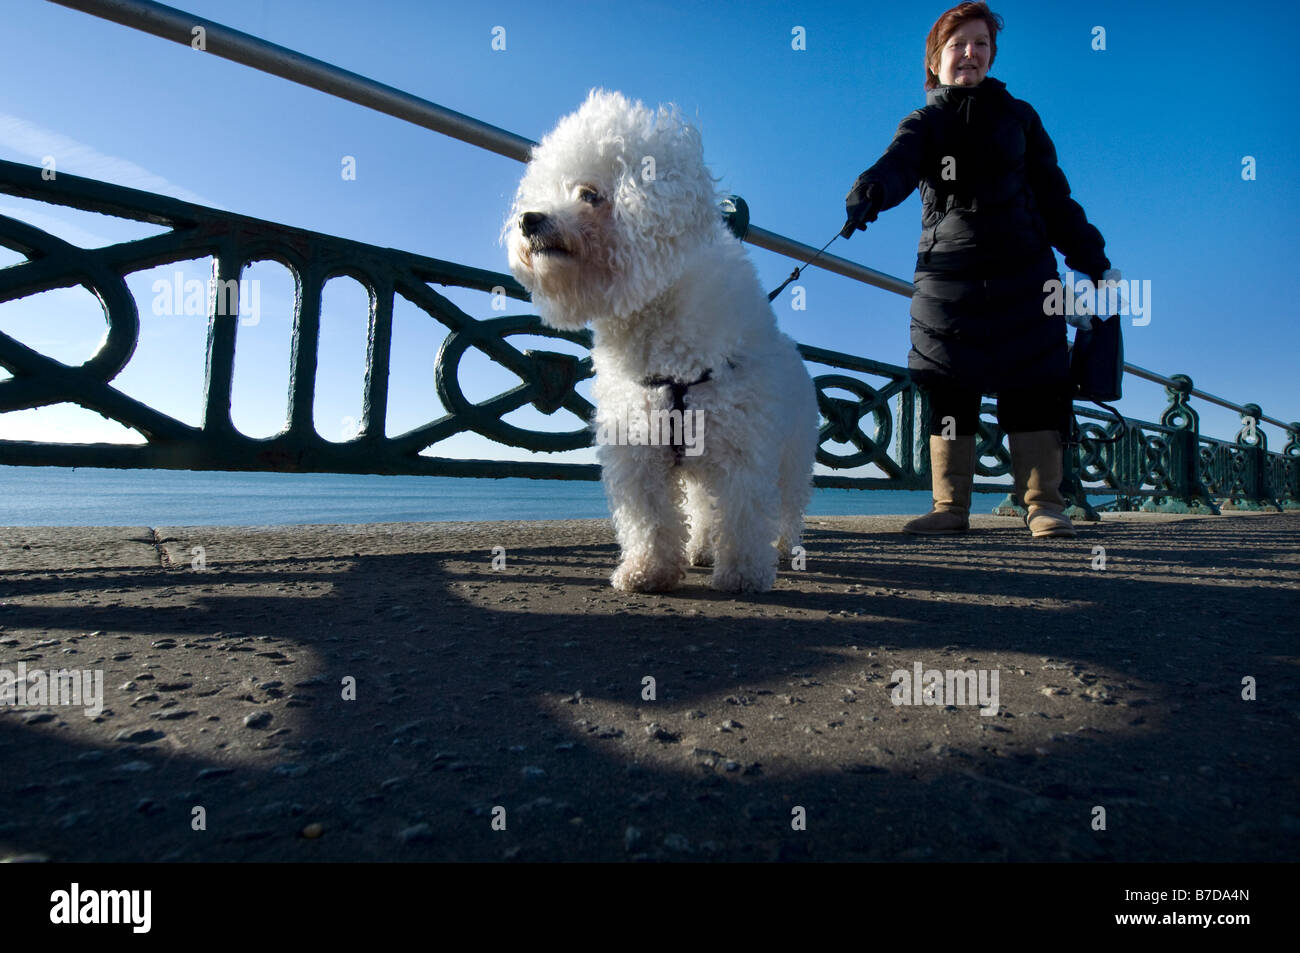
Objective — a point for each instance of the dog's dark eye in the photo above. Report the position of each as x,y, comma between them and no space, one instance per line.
590,196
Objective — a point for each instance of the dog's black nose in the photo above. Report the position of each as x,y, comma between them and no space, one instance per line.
531,222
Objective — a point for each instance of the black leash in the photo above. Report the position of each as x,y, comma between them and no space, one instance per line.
795,274
1076,432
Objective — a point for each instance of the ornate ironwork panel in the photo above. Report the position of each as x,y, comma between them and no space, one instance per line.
881,421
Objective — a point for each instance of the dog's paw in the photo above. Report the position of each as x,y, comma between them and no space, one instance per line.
636,578
733,580
792,558
701,557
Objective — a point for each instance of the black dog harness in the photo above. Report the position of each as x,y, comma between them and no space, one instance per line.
679,388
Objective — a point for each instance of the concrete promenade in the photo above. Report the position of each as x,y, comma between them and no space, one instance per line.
515,694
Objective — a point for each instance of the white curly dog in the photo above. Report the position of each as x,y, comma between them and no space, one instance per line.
706,420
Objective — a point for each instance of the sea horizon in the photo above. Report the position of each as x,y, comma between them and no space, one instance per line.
92,496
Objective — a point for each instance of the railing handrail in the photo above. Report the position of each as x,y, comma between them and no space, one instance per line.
1197,392
790,248
219,40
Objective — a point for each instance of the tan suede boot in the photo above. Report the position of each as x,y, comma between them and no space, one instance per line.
1037,464
952,469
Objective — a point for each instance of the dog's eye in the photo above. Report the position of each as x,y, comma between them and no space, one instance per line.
589,195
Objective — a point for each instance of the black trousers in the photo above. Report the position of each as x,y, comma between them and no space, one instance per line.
1019,411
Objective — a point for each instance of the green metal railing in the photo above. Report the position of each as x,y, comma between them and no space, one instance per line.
1168,465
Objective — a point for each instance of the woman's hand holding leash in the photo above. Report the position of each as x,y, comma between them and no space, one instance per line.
861,206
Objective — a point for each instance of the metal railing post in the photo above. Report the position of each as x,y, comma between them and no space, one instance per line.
1185,446
1289,464
1255,442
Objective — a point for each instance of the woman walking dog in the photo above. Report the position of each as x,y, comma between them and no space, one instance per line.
995,203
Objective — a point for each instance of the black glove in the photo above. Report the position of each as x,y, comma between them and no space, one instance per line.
861,206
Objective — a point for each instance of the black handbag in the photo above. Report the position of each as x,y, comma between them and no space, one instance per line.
1097,370
1097,360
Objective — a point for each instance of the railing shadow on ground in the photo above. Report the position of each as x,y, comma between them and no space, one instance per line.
522,689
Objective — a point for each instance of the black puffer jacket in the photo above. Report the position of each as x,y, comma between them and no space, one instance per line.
994,203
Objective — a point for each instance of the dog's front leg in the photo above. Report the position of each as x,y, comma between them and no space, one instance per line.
745,557
645,500
699,518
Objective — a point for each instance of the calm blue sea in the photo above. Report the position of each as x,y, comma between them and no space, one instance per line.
58,496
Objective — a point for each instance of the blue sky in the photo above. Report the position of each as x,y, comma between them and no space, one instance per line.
1151,133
